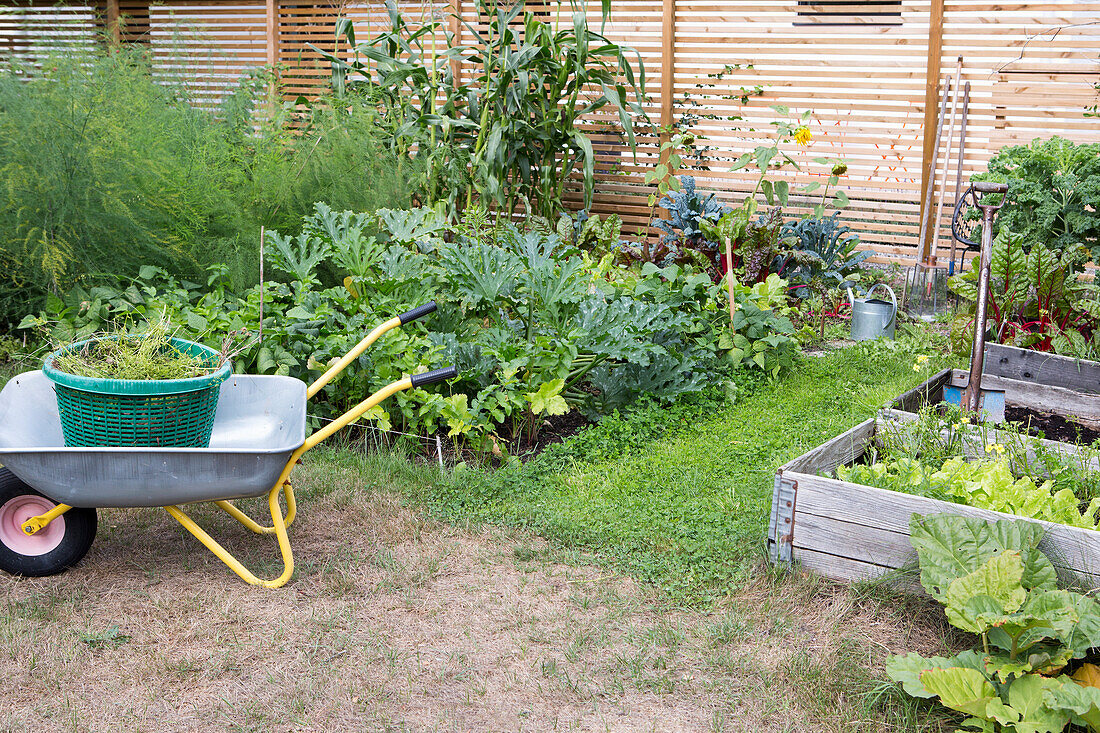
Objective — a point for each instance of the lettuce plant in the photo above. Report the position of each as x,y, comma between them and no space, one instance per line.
982,484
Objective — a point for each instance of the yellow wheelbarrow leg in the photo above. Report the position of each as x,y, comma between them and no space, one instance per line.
34,524
250,523
282,485
234,564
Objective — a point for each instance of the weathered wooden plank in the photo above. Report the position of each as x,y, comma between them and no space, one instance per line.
841,450
1071,548
864,542
1042,368
930,391
837,567
906,575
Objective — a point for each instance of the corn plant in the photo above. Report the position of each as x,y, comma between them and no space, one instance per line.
508,127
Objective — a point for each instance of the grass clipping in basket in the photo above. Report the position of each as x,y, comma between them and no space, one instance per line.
145,356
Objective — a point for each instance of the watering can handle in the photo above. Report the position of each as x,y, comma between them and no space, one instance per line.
893,300
851,298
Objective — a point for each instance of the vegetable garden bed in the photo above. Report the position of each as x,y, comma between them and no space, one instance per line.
1037,385
847,531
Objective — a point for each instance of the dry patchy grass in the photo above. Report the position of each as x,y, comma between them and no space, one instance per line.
396,623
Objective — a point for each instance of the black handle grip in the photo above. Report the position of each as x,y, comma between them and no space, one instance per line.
436,375
418,312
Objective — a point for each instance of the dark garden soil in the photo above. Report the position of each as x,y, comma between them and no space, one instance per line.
1051,426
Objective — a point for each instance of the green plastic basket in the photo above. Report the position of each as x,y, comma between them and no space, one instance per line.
175,413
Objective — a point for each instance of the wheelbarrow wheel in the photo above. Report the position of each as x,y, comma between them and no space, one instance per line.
56,547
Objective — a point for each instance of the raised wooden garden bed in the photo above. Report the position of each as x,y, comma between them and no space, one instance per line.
1036,385
848,531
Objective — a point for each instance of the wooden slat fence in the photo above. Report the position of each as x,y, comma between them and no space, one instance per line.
861,68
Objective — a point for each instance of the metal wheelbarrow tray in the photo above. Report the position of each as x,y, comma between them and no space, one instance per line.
49,493
259,423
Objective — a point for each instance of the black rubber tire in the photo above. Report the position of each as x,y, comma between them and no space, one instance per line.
80,529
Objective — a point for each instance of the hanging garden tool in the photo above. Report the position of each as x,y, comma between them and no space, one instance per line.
958,178
925,291
988,197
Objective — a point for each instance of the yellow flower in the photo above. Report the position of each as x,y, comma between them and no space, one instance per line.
922,359
916,367
995,447
802,135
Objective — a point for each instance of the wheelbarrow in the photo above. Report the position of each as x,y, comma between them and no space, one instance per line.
49,493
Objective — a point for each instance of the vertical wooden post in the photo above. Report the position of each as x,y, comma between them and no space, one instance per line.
114,23
272,28
668,79
931,107
455,27
668,60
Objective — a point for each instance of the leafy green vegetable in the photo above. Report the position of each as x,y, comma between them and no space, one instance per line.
1053,189
988,484
536,327
547,399
952,547
1035,290
994,582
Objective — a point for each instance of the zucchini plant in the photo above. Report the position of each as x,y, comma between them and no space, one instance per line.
536,326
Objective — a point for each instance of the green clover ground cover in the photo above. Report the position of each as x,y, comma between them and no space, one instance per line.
680,496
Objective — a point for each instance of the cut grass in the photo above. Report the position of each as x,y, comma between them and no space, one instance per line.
687,509
147,356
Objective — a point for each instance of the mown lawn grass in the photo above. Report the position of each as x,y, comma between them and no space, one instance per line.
679,496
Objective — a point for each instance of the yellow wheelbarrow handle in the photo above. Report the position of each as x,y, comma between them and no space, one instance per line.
282,486
348,358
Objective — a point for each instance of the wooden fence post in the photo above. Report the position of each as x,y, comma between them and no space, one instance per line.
272,28
455,26
931,110
114,24
668,82
668,59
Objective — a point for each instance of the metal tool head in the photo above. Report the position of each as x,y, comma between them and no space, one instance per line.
965,225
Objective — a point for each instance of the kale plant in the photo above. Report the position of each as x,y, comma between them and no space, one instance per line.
1053,192
687,208
822,256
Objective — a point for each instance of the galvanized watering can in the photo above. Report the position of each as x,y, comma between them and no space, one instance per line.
871,317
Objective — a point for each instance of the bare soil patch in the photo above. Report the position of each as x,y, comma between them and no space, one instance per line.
397,623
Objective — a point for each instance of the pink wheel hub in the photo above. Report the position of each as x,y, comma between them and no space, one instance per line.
18,510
